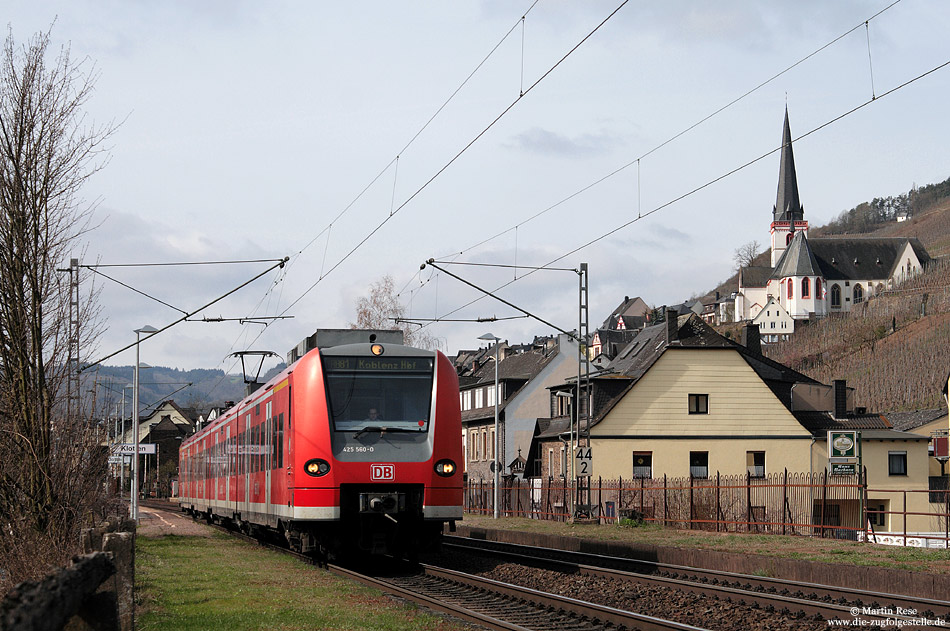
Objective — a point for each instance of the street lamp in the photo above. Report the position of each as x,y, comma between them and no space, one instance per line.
134,499
495,466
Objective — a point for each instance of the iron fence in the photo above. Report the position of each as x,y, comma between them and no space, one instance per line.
790,503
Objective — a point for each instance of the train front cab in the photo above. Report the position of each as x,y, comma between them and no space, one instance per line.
377,435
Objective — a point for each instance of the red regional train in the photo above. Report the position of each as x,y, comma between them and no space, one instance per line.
354,446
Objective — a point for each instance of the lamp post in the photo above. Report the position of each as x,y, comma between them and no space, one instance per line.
495,465
134,495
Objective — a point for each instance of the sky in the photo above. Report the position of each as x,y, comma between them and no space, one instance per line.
361,140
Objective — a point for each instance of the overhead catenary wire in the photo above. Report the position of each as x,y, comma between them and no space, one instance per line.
676,136
187,315
455,157
707,184
390,164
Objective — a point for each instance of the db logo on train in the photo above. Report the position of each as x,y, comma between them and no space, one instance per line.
383,472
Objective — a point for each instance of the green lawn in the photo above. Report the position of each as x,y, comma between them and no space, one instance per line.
208,583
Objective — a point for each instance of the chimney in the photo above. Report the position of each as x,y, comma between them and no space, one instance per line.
751,339
672,326
841,398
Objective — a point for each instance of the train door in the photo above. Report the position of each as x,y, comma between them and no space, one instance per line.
228,473
268,460
247,466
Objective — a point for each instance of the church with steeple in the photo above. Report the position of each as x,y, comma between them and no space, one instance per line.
813,278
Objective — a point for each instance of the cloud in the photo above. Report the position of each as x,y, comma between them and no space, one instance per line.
538,140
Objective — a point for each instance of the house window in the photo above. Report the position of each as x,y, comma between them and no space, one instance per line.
563,462
806,288
877,513
562,405
773,324
755,463
699,464
790,291
699,404
818,289
858,293
480,398
552,464
491,444
897,463
491,396
643,464
836,296
467,400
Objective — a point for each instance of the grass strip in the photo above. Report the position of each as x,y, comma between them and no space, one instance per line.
216,582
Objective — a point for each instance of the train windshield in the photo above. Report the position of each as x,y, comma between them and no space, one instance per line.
370,394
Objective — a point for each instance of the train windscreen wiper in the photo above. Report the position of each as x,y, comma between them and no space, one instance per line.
384,430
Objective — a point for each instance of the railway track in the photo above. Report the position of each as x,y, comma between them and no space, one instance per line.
489,603
803,601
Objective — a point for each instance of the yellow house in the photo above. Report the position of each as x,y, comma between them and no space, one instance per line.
681,401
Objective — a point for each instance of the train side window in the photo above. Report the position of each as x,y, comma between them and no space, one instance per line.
254,449
280,441
269,439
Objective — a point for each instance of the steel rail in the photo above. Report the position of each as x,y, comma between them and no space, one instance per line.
719,582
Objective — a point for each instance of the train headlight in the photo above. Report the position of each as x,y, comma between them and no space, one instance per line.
317,467
377,349
445,468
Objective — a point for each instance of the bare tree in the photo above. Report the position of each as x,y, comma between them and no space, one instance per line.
52,470
381,309
744,256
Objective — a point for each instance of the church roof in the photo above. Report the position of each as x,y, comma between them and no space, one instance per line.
788,207
754,276
863,257
797,259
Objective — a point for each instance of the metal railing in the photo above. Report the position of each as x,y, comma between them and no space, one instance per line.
813,504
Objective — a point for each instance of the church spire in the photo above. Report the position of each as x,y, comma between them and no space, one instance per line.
787,207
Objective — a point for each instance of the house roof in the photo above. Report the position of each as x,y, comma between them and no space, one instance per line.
516,369
819,423
622,374
552,427
906,421
629,307
858,258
